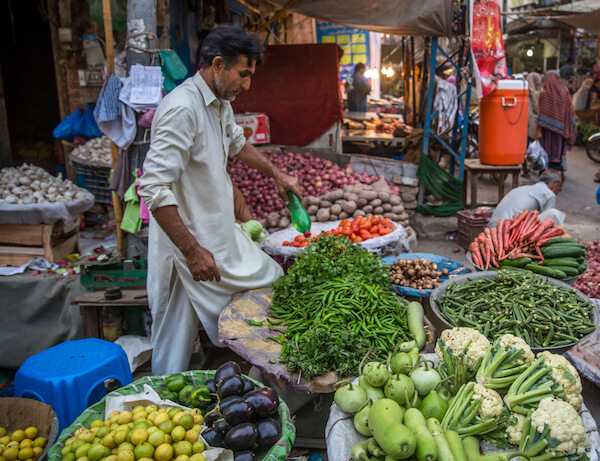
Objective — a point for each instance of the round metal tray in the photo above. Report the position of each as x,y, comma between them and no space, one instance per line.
442,324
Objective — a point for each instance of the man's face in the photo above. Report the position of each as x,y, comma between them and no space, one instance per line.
231,82
556,187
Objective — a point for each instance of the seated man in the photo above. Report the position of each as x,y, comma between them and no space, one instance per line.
540,196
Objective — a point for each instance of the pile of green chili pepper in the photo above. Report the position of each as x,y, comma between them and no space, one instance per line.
519,303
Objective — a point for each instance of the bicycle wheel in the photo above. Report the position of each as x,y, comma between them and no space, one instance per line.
593,150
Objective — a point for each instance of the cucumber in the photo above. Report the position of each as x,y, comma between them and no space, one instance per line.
385,422
456,445
570,271
562,252
559,274
444,451
561,240
521,262
426,446
582,268
580,259
571,262
415,319
543,270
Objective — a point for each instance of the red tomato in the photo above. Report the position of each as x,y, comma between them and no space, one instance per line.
305,244
388,223
347,232
286,243
365,225
375,219
385,231
374,229
296,244
345,223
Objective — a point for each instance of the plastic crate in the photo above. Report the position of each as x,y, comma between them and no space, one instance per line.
470,224
96,181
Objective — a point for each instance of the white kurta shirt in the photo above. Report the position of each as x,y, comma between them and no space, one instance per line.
193,134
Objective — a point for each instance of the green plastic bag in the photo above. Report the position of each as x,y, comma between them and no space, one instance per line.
277,452
118,10
173,69
443,185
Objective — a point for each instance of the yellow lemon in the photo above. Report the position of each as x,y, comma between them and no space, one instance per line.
82,450
26,443
178,433
2,431
182,458
145,459
167,426
163,452
13,444
126,455
183,448
197,457
139,436
107,423
87,436
79,431
66,449
150,409
97,423
109,441
5,439
144,450
156,438
152,429
120,436
173,411
138,408
37,451
186,421
68,457
198,446
168,439
31,432
113,426
192,436
111,458
41,441
76,445
96,452
10,454
102,432
83,458
160,418
163,410
197,427
124,417
25,453
141,424
198,419
125,446
18,435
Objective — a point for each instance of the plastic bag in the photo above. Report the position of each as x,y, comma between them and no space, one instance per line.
173,69
536,157
118,10
86,124
64,130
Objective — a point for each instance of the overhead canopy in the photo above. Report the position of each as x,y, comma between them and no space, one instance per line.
588,21
432,18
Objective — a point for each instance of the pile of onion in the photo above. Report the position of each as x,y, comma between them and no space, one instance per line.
316,176
589,283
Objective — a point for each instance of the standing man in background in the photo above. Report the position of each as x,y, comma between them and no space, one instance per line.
197,256
358,88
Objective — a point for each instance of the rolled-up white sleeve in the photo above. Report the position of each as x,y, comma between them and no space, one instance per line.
169,154
237,136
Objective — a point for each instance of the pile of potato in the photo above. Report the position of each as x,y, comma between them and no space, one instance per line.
347,203
421,274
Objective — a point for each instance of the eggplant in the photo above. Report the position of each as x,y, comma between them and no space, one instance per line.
210,383
264,401
226,370
232,385
269,432
238,412
214,437
241,437
211,415
228,401
222,425
248,386
243,456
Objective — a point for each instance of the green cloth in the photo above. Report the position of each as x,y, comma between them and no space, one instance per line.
278,452
443,185
131,221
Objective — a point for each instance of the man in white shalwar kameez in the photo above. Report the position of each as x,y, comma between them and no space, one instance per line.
197,256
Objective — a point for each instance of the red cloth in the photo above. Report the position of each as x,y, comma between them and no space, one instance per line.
297,87
555,109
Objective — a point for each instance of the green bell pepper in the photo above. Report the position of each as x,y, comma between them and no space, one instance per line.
168,395
200,397
184,396
175,382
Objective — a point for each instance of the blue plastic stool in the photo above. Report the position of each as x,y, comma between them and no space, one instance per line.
70,376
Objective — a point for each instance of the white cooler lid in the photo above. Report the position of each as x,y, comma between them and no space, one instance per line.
512,85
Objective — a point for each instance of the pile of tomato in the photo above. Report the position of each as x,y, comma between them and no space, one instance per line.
357,230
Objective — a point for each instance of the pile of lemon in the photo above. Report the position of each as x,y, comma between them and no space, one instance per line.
143,434
22,444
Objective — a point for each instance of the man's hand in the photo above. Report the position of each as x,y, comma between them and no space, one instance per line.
201,264
285,182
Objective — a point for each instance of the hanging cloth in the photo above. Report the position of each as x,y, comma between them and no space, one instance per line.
131,221
443,185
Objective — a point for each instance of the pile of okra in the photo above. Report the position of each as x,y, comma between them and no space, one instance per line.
519,303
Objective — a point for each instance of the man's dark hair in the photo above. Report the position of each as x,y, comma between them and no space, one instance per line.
230,42
360,66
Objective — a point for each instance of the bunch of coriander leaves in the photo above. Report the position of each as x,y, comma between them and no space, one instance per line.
317,351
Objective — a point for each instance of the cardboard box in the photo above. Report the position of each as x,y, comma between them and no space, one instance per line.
256,127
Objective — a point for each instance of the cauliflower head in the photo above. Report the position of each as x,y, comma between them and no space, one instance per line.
460,338
509,341
565,374
565,425
515,431
491,402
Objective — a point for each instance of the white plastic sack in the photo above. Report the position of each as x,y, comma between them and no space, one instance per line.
273,244
341,436
536,157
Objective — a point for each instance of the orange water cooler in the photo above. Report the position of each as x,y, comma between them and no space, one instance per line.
503,118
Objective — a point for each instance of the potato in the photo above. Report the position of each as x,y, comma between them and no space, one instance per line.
312,210
284,221
333,217
368,209
349,207
336,209
398,209
377,210
325,204
395,200
375,203
285,212
384,197
392,216
323,215
272,219
313,218
386,207
312,200
361,202
358,213
337,194
403,215
343,215
368,195
270,230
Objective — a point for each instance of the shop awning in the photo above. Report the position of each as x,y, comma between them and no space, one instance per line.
401,17
587,21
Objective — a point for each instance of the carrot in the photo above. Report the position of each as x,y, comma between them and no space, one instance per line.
474,248
486,255
554,232
488,238
494,237
539,252
518,219
506,237
500,237
544,226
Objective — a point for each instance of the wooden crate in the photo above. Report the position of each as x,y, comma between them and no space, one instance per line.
21,242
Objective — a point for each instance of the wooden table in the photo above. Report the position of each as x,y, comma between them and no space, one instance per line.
473,167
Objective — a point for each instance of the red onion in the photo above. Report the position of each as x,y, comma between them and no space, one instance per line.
589,283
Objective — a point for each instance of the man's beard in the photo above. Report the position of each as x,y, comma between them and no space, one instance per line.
221,86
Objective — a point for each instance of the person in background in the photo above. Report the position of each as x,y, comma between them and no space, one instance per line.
556,130
534,81
593,99
540,197
567,70
581,96
197,256
358,88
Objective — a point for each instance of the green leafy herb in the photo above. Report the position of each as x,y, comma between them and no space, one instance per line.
254,323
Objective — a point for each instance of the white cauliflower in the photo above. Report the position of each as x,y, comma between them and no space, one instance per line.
566,375
491,402
564,423
509,341
514,431
460,340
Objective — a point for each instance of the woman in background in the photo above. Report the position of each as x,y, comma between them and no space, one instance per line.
556,128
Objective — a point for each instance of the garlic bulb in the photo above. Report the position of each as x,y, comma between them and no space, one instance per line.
95,150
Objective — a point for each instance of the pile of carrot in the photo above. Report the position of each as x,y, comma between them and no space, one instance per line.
521,236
